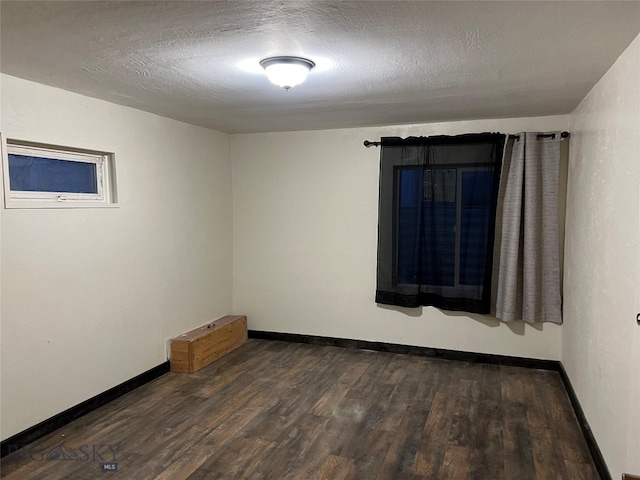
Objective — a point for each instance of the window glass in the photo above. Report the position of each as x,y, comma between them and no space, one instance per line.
474,225
429,226
39,174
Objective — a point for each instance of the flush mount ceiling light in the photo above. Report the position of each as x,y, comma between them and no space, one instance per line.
287,72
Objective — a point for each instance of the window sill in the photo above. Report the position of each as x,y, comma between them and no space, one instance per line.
16,205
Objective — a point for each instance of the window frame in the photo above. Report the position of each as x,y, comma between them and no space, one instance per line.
105,177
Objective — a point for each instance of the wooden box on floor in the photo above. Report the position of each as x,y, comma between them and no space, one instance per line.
196,349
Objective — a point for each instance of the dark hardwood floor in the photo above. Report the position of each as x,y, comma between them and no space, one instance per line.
276,410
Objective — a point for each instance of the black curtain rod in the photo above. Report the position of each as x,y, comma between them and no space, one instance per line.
368,144
544,135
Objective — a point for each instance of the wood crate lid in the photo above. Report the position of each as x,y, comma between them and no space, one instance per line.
203,330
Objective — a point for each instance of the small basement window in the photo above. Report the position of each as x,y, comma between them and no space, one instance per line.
46,176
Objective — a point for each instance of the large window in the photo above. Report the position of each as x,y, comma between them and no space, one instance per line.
42,176
436,221
446,212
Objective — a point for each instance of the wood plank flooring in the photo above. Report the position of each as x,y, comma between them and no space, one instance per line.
277,410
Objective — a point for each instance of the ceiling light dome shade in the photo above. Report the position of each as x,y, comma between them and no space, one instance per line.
287,72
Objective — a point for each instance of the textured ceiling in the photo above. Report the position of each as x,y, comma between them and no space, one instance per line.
378,62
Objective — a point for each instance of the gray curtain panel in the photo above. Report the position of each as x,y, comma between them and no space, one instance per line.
526,271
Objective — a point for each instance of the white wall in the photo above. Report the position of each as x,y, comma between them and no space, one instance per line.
305,240
90,296
602,262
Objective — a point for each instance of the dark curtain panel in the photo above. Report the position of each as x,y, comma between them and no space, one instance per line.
436,220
